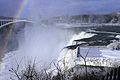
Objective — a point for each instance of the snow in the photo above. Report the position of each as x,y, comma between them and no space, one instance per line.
113,54
114,46
12,60
5,66
118,36
96,57
72,25
69,56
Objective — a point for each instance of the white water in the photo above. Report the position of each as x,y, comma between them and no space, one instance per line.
80,35
42,43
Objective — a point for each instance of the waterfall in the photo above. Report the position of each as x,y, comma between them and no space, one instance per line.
42,43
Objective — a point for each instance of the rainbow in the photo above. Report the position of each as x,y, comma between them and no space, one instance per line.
21,7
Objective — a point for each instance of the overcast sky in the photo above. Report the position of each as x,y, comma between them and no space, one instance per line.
59,7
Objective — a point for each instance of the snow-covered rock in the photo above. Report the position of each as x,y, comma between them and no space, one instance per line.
114,45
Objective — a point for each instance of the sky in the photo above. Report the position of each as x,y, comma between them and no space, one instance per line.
59,7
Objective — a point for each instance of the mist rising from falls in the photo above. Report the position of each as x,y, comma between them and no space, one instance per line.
42,43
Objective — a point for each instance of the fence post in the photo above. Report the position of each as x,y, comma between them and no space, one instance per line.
118,74
103,78
107,77
111,74
115,73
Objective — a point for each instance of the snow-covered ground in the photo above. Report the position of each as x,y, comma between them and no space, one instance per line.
97,56
115,54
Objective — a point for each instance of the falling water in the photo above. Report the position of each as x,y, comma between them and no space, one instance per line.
42,43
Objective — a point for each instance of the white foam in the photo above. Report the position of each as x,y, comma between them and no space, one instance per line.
80,35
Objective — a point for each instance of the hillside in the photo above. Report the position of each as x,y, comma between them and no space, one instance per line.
87,18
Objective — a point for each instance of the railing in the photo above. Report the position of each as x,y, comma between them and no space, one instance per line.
114,74
8,22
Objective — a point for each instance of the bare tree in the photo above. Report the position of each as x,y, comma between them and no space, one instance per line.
85,61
